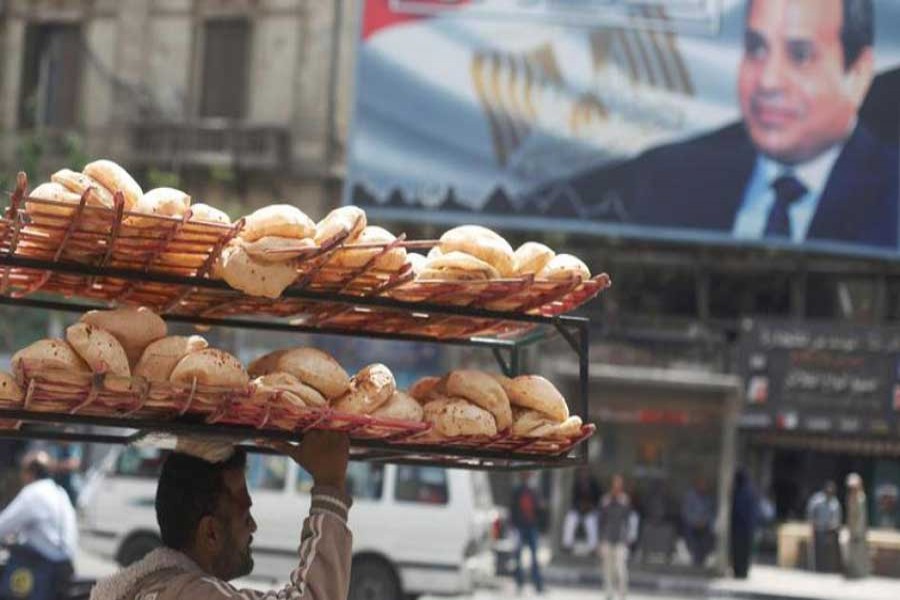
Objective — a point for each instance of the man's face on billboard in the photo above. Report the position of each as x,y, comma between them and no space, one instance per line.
797,96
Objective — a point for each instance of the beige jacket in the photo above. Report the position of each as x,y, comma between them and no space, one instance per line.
322,574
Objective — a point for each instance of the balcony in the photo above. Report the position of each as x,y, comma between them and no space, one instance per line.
211,143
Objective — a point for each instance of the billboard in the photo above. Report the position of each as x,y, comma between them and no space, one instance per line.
773,123
820,378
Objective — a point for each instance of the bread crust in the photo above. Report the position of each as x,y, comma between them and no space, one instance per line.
99,349
115,178
211,367
162,356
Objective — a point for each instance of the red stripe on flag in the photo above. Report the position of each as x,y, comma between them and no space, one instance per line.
378,15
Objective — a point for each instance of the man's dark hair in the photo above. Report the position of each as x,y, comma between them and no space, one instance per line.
189,489
37,468
857,29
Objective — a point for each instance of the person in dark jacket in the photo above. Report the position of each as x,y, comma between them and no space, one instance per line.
585,498
525,515
744,517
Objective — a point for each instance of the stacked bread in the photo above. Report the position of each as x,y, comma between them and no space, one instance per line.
310,378
128,345
351,221
475,403
262,260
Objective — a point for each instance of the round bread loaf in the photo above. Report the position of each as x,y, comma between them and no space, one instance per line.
563,267
531,257
10,392
162,202
135,328
422,389
569,428
481,389
526,420
210,367
79,183
208,214
255,277
99,349
114,178
482,243
392,260
47,355
161,357
281,220
278,249
265,364
311,366
536,393
289,388
370,389
402,407
454,417
53,192
346,221
458,266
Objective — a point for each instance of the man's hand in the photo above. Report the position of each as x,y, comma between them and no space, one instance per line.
323,454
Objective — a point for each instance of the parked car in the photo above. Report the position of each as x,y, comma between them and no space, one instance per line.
416,530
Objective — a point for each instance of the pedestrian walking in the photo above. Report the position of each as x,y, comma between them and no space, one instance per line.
615,520
824,514
525,515
744,518
585,498
857,564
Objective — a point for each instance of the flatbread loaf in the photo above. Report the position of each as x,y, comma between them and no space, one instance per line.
99,349
135,328
211,367
162,356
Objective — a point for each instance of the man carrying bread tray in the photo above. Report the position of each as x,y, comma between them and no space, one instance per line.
203,510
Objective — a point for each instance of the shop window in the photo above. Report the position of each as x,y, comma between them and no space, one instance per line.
842,298
51,76
426,485
732,296
266,472
226,54
650,291
143,463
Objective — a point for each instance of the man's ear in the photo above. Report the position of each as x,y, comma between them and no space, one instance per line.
209,534
859,76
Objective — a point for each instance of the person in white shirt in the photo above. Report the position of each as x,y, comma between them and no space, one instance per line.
41,529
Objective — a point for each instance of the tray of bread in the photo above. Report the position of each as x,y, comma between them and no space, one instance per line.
96,234
122,364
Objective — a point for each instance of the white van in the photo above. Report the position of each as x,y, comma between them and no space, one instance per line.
416,530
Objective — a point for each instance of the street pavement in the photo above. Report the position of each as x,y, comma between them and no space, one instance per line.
765,583
91,565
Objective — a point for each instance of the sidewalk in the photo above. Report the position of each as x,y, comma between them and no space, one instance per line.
764,583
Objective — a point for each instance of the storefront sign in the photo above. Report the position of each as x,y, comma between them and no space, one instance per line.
821,377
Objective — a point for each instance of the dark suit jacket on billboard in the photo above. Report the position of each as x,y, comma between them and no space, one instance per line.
700,184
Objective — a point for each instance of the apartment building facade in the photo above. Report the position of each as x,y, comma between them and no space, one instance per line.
241,100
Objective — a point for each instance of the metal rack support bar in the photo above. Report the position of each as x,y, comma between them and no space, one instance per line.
270,325
156,277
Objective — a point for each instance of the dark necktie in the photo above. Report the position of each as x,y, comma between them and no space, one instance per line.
788,189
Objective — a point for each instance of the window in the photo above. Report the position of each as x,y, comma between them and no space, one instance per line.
144,463
365,481
732,296
51,76
427,485
265,472
226,47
